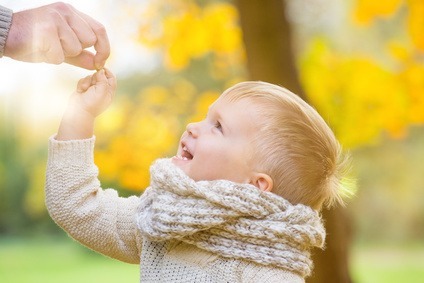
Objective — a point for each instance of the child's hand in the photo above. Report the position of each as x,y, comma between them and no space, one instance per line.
95,93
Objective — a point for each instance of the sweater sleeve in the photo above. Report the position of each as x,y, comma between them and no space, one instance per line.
5,22
99,219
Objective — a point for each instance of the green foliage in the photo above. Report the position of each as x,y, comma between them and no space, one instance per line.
13,181
389,206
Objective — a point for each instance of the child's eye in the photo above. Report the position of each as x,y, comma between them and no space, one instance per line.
218,125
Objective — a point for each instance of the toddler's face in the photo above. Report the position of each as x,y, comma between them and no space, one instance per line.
220,146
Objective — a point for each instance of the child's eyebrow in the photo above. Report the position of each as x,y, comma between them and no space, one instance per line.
210,108
216,113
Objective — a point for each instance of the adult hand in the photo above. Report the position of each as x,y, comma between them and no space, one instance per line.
57,33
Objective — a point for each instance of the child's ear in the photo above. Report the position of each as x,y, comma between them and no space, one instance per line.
262,181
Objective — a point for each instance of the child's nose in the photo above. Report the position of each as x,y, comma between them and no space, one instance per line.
192,129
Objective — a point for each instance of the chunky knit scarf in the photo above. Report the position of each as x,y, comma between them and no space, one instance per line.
230,219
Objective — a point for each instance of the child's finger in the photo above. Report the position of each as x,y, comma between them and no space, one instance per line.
84,84
108,73
99,76
111,79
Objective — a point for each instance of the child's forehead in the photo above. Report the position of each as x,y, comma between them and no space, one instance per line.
226,105
233,99
238,116
222,103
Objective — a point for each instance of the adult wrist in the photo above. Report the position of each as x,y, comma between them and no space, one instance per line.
5,23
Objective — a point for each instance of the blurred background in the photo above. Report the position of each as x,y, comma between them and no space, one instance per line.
359,63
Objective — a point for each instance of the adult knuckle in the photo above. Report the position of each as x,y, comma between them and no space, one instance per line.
62,7
74,51
54,16
90,40
99,29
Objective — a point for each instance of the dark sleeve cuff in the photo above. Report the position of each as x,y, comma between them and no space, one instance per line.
5,22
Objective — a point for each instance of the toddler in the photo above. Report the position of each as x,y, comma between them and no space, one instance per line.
239,202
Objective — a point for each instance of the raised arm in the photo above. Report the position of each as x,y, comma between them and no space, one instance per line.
97,218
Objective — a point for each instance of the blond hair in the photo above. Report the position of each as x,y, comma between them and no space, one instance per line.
294,146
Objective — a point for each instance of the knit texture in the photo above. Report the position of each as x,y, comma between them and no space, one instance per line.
107,223
5,22
230,219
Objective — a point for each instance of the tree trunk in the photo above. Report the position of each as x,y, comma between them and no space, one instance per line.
332,264
267,38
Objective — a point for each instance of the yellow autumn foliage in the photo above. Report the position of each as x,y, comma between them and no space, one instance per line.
416,22
366,10
144,135
185,30
360,98
202,105
357,95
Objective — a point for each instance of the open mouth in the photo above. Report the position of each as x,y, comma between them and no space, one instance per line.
185,154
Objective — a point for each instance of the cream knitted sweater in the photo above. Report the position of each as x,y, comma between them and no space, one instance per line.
107,223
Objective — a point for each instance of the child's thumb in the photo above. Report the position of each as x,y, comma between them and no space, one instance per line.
83,84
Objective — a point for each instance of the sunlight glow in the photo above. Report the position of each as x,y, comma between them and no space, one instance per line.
41,90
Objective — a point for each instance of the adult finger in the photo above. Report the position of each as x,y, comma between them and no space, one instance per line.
59,29
84,60
81,28
102,48
102,45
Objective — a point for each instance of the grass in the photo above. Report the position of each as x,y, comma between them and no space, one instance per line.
63,260
388,264
53,260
